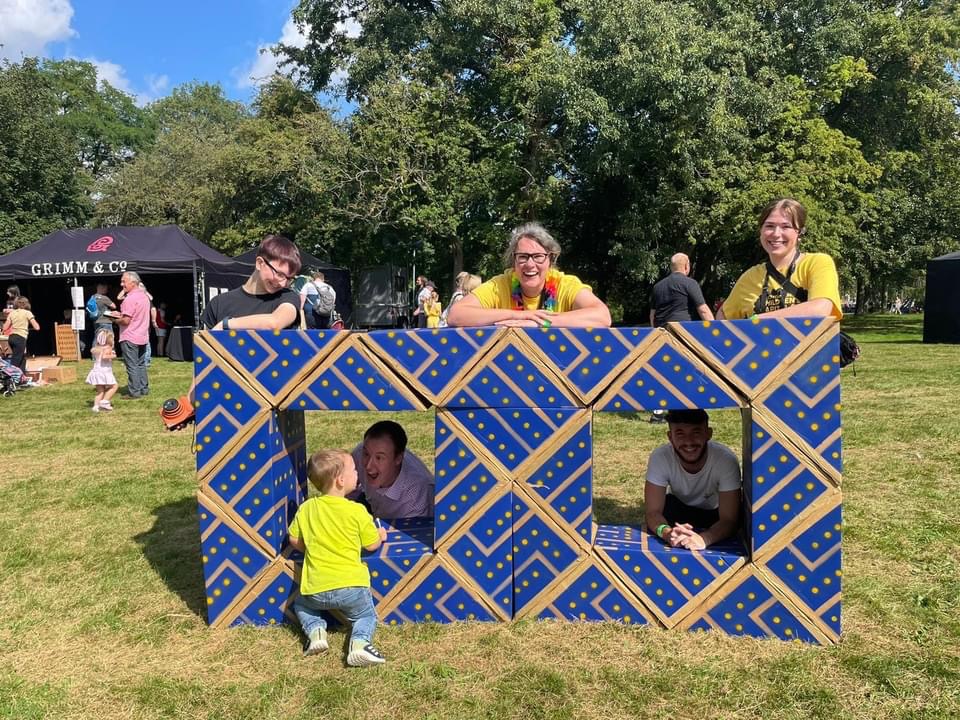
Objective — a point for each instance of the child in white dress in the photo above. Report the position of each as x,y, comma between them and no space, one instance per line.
101,374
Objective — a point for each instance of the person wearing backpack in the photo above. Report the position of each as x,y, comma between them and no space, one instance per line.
320,300
97,305
790,283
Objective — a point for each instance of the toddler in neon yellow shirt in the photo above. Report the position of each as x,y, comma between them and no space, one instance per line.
331,530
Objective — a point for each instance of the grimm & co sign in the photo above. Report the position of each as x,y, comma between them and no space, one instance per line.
78,267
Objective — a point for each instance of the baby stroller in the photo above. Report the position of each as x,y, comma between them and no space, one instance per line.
11,377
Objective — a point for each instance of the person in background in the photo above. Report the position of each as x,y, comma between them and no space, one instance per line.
101,374
532,292
790,283
677,297
134,322
13,292
17,328
148,358
424,288
161,326
432,309
103,303
320,300
465,283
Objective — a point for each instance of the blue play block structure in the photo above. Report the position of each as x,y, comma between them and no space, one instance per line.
513,533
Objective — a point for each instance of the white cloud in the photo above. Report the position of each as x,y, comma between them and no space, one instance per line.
156,85
266,63
28,26
111,73
116,75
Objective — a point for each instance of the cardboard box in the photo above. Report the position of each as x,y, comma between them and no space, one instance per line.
62,374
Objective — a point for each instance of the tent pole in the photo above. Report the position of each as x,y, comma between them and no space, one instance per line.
76,333
197,294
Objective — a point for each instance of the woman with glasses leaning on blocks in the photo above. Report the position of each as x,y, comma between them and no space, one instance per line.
532,293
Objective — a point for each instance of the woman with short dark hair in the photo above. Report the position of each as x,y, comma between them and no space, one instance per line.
532,292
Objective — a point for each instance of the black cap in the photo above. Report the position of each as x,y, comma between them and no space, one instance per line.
688,417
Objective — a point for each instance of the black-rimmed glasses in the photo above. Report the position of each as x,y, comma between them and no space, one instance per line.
283,276
538,258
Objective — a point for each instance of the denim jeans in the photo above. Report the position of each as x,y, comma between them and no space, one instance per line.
355,603
134,361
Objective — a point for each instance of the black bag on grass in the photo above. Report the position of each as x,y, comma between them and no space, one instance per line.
849,350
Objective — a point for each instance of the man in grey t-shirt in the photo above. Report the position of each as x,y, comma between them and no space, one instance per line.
703,477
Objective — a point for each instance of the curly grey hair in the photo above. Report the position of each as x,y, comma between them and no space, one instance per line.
535,231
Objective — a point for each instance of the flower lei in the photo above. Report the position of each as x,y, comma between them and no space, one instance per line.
548,296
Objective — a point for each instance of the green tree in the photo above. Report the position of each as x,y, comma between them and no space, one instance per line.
42,185
229,177
106,123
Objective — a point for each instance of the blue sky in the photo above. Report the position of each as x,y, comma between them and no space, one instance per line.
148,48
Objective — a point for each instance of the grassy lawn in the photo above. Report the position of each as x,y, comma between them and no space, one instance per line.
102,598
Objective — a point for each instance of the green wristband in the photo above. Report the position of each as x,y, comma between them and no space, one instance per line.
659,530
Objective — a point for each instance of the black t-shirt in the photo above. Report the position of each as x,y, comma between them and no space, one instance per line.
676,298
240,303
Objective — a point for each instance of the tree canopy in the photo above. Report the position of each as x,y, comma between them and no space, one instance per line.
633,129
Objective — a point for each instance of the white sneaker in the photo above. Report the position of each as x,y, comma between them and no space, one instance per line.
105,405
96,408
364,654
317,643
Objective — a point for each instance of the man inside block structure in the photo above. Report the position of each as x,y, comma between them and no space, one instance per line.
394,481
703,477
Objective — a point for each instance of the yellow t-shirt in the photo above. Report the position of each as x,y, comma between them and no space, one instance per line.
20,320
495,293
815,272
334,530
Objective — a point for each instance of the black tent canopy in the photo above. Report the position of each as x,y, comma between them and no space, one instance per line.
941,307
169,260
111,251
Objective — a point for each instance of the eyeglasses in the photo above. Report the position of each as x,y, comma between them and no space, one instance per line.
771,228
538,258
282,276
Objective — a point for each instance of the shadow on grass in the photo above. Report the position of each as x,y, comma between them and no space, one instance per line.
172,547
907,329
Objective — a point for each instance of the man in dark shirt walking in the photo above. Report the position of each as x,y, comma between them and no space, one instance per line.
678,297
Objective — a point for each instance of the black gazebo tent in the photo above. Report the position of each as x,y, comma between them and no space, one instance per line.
941,307
169,260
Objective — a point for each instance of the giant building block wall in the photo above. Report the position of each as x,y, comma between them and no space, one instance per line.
513,534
